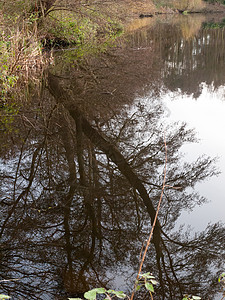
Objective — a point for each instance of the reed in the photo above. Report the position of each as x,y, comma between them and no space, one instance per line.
21,56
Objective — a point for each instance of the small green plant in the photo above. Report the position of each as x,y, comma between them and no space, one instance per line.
89,35
189,297
221,280
70,28
109,294
33,17
214,25
4,297
148,281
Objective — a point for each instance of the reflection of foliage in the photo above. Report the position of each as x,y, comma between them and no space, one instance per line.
184,49
214,24
186,56
215,1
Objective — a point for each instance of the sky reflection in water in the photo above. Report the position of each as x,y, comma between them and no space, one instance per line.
206,115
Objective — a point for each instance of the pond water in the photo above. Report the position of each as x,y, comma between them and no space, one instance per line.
210,106
82,171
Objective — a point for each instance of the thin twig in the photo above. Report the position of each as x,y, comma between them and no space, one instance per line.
153,225
6,280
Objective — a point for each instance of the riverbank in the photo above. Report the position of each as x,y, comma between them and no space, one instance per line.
149,9
90,28
68,23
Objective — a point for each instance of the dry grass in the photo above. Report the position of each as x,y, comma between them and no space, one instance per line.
189,4
21,58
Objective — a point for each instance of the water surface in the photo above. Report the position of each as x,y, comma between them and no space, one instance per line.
82,171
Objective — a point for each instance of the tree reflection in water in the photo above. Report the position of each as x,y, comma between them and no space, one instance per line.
77,200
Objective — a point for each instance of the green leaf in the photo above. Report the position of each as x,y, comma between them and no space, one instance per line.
149,287
196,298
221,277
100,290
185,298
154,281
4,297
90,295
147,275
120,294
138,288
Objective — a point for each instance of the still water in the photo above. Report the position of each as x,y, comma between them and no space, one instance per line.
206,115
82,171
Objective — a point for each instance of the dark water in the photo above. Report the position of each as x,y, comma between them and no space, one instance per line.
82,171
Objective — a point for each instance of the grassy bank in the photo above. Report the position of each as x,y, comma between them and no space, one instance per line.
25,35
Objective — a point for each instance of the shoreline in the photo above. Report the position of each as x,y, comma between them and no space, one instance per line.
144,10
